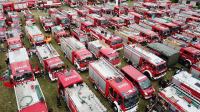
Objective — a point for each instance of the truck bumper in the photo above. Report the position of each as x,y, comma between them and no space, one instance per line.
82,69
155,78
134,109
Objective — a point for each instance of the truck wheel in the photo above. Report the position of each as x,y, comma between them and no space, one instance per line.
115,109
95,87
147,74
187,64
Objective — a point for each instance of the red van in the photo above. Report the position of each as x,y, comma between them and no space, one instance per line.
139,80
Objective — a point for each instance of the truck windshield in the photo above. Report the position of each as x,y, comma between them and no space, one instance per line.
161,67
131,100
117,41
120,21
165,33
87,59
57,68
104,22
24,76
145,84
113,57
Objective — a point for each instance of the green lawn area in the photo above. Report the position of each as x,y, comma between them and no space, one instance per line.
7,98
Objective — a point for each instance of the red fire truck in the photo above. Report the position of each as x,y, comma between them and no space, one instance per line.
146,62
172,98
69,13
13,40
50,59
58,32
101,49
34,35
76,52
162,31
74,92
150,36
48,3
139,80
20,5
130,36
129,19
113,41
93,9
172,27
32,3
97,20
2,26
59,18
189,56
116,22
187,83
137,17
21,70
80,35
82,11
27,14
72,3
113,85
46,22
13,18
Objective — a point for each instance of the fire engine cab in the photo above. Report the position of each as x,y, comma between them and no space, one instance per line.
76,52
77,95
97,20
113,85
50,59
21,70
101,49
58,32
147,62
13,40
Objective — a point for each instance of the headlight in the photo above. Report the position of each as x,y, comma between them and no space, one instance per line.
145,93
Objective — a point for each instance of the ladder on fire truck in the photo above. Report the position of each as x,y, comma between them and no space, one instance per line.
107,69
73,43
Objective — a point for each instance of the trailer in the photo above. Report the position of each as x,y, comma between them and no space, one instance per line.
108,37
172,98
58,32
50,59
146,62
187,83
100,49
113,85
20,67
76,52
35,36
170,55
77,95
46,22
30,97
130,36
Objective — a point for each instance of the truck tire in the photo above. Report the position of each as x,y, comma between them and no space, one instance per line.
115,109
147,74
187,64
95,86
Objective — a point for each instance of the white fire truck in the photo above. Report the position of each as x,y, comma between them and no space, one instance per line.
187,83
76,52
50,59
174,99
77,95
30,98
147,62
113,85
100,49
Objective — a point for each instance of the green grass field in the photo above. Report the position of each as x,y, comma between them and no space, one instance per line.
7,97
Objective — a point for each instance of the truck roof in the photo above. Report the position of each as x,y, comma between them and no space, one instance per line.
186,78
29,97
47,51
146,54
19,55
177,98
98,44
102,31
143,30
72,42
155,24
127,32
82,93
33,30
192,50
134,73
163,49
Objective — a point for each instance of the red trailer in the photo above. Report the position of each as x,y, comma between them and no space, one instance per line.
113,85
